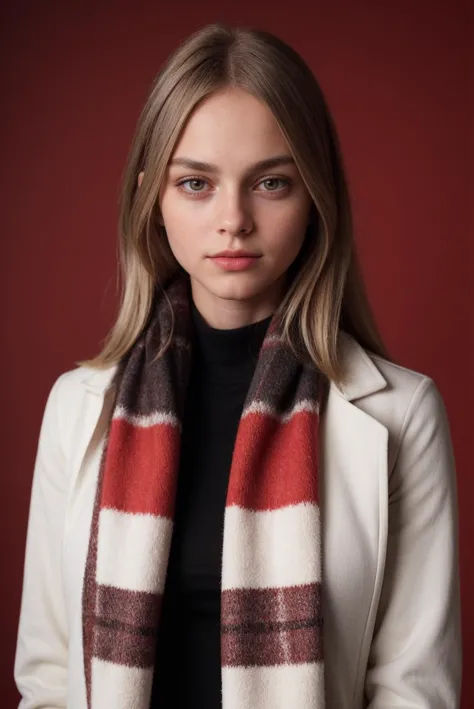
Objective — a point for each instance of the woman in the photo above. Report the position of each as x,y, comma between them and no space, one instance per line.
241,502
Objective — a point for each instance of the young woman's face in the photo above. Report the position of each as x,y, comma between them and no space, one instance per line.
216,196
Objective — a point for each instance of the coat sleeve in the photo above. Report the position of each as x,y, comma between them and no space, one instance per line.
415,656
41,658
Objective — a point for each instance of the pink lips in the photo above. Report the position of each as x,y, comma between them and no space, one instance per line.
235,264
237,260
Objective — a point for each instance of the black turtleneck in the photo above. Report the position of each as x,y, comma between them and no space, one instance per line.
188,666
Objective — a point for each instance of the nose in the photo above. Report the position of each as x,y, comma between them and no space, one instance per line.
234,215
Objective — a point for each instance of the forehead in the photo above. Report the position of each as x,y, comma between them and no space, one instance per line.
231,125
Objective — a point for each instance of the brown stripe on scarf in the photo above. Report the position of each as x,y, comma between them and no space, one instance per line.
127,626
271,626
275,367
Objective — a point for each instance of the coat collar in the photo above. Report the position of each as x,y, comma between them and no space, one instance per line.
361,376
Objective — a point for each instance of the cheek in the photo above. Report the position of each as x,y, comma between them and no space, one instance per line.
287,233
180,228
174,216
181,244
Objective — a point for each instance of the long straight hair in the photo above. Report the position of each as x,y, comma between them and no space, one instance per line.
325,291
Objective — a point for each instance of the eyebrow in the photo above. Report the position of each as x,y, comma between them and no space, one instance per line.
266,164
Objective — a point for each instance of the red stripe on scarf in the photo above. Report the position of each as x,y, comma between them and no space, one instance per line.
283,456
137,475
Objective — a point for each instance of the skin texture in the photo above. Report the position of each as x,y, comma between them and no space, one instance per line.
234,206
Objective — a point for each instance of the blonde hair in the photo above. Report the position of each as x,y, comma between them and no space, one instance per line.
326,292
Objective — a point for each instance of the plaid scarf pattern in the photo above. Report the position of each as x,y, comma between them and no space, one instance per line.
271,619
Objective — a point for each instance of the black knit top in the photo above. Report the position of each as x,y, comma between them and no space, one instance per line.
188,667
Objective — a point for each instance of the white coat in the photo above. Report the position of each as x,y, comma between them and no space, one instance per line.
391,605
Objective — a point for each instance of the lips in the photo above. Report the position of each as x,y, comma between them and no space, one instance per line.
241,253
235,260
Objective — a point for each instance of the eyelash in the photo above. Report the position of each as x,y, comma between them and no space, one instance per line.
194,194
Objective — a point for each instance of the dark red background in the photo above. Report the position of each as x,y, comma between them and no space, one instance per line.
398,76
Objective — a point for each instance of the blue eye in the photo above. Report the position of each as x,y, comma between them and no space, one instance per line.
192,181
270,181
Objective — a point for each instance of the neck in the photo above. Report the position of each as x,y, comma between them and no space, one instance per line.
228,347
228,313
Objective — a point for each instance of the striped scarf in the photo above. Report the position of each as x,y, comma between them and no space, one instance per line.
271,620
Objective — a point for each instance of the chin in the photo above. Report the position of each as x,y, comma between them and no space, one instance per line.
236,292
236,287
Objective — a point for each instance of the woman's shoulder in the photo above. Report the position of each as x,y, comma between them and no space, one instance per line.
365,370
400,378
83,378
70,398
397,396
71,401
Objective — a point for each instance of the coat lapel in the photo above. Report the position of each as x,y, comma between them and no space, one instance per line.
354,502
97,380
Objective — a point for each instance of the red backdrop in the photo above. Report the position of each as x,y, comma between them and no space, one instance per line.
397,76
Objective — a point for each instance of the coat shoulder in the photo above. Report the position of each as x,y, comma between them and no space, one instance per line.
75,381
73,400
405,390
401,381
410,399
70,389
368,376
